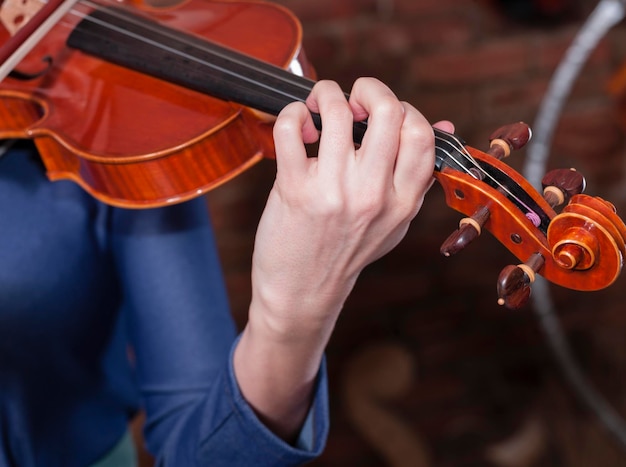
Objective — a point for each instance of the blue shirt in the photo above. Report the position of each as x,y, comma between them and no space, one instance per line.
104,310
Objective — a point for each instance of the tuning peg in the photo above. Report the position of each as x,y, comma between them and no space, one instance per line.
514,282
561,184
502,142
469,229
508,138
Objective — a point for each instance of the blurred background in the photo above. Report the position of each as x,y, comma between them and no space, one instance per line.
425,368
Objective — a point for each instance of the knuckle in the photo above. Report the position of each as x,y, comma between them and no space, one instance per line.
333,203
420,134
367,81
364,81
285,125
390,109
371,203
326,84
338,111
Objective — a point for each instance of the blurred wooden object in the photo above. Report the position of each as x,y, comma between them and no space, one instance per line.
374,377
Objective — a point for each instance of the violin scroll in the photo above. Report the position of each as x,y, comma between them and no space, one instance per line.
581,248
586,236
585,233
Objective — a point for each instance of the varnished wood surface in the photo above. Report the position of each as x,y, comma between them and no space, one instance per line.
136,141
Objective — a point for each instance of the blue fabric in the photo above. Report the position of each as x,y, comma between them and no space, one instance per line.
105,310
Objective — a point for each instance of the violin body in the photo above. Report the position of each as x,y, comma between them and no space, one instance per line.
145,107
136,141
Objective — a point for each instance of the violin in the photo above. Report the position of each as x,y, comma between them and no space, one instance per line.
146,106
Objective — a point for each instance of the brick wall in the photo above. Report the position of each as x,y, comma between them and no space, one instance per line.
481,370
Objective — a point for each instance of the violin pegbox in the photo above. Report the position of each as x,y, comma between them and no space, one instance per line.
581,248
501,143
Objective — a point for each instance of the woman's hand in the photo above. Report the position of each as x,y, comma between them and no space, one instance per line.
328,217
325,220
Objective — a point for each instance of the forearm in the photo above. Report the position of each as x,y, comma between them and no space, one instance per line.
276,366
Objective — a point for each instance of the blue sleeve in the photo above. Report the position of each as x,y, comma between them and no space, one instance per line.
182,339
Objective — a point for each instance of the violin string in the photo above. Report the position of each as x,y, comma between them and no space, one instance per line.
265,69
459,147
288,96
232,56
273,71
278,73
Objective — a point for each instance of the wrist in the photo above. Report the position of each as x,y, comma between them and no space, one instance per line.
276,374
300,309
292,323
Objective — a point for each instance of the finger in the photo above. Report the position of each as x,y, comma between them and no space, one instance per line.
336,140
416,156
445,125
292,129
385,115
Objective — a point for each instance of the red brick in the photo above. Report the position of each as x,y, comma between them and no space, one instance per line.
323,10
549,50
472,64
617,39
322,49
431,7
448,31
446,104
587,132
512,100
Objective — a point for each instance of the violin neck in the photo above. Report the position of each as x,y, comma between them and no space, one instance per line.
142,45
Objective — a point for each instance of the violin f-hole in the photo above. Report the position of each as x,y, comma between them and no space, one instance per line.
28,76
